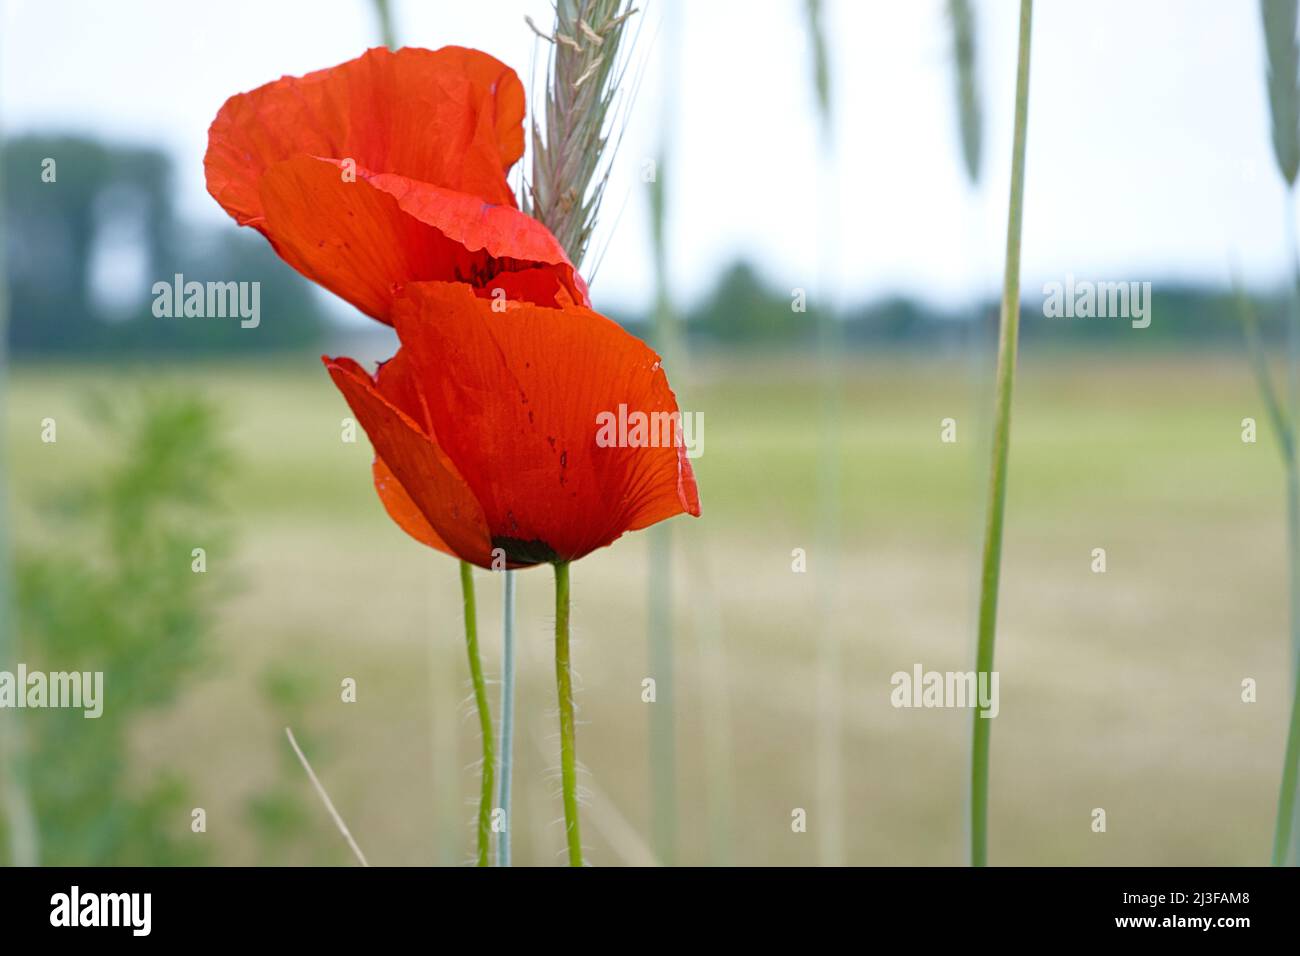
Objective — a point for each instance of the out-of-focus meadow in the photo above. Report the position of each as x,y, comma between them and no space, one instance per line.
1120,690
142,450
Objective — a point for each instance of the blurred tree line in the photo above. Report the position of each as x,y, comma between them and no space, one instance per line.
744,308
87,236
84,250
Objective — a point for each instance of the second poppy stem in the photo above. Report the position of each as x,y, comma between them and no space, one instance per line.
1006,377
484,715
564,688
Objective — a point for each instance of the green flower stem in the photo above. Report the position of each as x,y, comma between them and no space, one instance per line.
1007,346
564,688
506,755
484,715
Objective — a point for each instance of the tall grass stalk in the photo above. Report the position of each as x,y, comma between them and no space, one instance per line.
1279,21
980,335
20,821
384,13
997,495
966,90
711,653
713,677
663,743
830,707
570,163
1285,832
965,76
325,799
1283,432
659,585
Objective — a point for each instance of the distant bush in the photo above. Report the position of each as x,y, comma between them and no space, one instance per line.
114,589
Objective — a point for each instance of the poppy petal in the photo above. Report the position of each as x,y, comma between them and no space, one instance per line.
406,514
362,239
513,241
451,118
431,481
515,398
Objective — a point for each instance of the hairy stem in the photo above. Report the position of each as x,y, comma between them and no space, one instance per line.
484,715
1007,347
564,689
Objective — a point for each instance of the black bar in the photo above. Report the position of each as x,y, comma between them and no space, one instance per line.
451,906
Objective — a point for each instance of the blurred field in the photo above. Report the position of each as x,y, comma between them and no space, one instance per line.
1119,691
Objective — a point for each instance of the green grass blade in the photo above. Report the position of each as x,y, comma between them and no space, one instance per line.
1006,374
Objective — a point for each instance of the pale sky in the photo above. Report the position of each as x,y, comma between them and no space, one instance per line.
1148,158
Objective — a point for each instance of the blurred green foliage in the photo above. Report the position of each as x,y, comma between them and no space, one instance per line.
133,607
286,828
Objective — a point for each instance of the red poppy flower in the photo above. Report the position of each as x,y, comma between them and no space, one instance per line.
390,168
485,428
